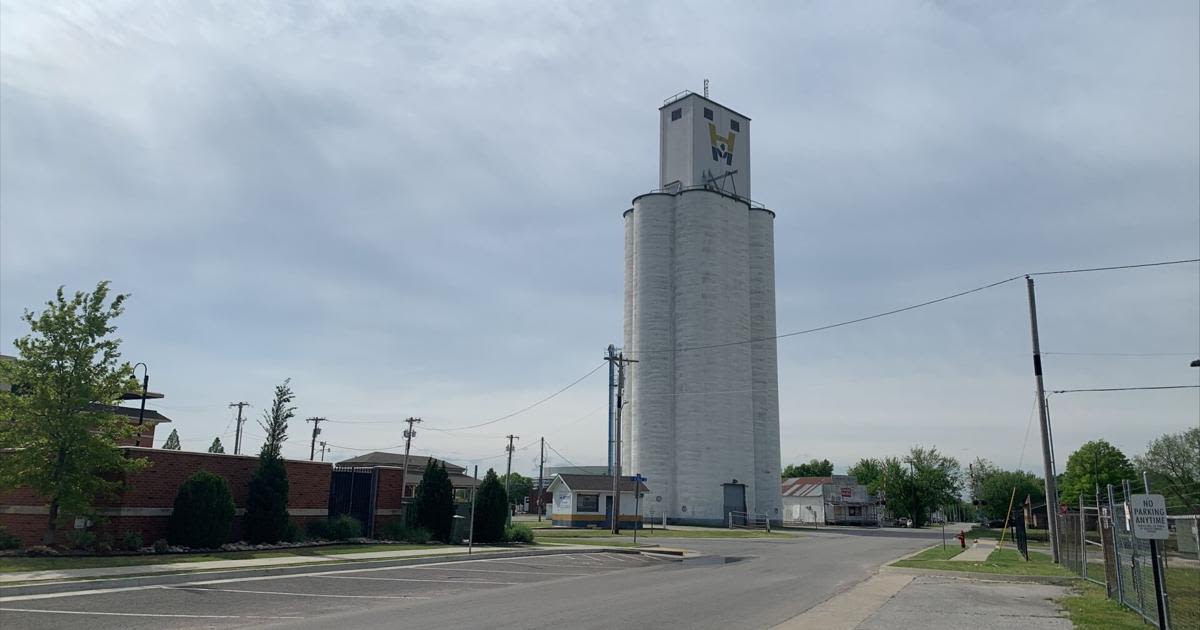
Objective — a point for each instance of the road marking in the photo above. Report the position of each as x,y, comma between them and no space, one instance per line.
94,591
124,614
600,559
238,590
259,578
387,579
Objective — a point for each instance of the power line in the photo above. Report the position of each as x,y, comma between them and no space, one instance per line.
564,457
1121,354
1113,268
916,306
1123,389
524,409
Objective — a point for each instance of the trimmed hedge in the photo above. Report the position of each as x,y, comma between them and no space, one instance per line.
203,512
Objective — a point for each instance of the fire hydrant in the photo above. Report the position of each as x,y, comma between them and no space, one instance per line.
962,538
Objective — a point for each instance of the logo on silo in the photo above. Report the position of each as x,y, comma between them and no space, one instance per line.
722,146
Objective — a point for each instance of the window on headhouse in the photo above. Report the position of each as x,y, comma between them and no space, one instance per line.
735,125
676,114
408,490
708,113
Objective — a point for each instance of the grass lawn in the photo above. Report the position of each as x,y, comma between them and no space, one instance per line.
598,542
1002,561
1090,609
1183,597
15,564
1033,535
936,553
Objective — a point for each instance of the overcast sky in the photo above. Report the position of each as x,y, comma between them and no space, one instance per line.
415,208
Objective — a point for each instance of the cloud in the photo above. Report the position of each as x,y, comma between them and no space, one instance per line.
414,209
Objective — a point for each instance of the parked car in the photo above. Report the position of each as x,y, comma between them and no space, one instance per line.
903,521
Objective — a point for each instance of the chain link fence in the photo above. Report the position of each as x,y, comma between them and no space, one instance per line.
1096,541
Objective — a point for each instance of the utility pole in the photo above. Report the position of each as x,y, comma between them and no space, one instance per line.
324,448
237,441
312,450
610,354
508,477
1047,456
620,362
409,434
541,466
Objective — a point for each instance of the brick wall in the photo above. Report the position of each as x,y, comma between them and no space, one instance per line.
144,504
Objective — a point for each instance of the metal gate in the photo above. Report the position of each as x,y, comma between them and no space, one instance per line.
352,491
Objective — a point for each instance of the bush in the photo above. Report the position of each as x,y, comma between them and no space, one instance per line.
131,541
203,512
518,534
266,506
7,540
103,546
293,533
398,531
435,501
317,529
345,527
81,539
491,510
161,546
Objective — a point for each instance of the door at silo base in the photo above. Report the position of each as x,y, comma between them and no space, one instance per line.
735,501
608,520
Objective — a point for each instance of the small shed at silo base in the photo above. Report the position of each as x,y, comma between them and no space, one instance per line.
586,501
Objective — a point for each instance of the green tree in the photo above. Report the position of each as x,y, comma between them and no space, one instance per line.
216,447
995,488
921,482
57,422
491,509
1095,463
435,501
266,503
172,443
203,512
868,472
814,468
518,486
1173,464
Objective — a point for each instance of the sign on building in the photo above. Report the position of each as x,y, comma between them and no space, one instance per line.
1149,516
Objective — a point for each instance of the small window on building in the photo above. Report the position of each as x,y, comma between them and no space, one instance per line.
735,125
587,503
676,114
408,490
708,113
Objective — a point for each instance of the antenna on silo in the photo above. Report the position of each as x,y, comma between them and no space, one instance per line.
706,88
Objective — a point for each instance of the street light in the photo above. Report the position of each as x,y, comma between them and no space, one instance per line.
145,390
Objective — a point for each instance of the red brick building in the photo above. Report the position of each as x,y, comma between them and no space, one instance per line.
146,499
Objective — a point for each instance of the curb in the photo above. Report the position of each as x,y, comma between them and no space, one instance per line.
399,561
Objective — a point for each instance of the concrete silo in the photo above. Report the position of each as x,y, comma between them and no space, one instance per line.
701,420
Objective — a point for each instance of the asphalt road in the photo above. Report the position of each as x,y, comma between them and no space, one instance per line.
745,583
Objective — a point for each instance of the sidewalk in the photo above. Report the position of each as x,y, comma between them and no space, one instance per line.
894,600
257,563
977,552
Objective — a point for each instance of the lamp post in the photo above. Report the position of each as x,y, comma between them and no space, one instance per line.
145,390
